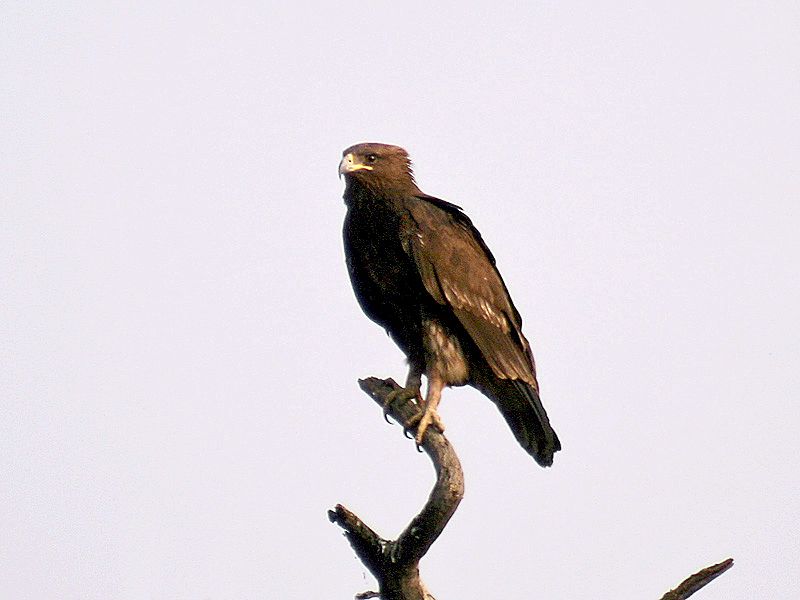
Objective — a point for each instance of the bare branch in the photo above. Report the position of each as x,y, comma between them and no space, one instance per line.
395,564
694,582
367,544
445,496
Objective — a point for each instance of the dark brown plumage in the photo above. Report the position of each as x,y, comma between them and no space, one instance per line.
421,270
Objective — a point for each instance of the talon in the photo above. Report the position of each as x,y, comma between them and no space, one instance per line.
398,394
413,421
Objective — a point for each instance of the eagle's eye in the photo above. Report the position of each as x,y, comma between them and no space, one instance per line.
371,158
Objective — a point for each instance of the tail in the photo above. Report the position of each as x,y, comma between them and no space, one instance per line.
520,404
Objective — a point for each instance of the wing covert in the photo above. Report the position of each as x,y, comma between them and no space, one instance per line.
458,270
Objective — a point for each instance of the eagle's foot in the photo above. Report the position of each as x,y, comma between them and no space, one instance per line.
428,418
406,393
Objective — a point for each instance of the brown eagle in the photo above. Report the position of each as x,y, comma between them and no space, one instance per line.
421,270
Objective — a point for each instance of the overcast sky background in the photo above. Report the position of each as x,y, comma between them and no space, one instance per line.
180,344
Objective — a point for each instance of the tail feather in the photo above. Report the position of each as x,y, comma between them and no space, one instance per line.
523,411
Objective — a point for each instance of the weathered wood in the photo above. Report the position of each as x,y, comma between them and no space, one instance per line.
395,563
694,582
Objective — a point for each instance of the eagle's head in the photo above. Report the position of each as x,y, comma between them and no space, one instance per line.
380,167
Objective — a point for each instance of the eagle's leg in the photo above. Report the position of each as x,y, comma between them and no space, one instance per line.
430,416
410,392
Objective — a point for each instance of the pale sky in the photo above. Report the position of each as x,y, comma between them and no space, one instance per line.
179,343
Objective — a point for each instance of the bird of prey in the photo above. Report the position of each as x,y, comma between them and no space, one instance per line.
420,269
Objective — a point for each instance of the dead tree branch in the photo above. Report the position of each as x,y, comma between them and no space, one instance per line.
694,582
395,563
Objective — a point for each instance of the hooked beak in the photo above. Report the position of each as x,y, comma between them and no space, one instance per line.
349,165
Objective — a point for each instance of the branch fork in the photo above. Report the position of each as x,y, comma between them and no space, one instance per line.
395,563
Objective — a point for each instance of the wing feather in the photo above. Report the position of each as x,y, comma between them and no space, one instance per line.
458,270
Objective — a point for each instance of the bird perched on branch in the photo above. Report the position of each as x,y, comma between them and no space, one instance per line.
421,270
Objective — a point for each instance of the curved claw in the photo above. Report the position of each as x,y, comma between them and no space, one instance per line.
412,422
399,393
405,394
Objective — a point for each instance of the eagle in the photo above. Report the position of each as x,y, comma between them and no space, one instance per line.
421,269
